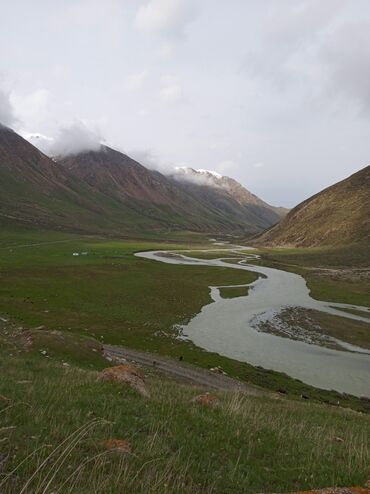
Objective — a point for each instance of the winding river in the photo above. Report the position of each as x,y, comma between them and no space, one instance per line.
228,326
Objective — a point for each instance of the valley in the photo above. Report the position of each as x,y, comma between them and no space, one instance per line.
59,310
184,247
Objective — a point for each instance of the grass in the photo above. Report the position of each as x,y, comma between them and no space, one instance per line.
55,413
53,420
114,297
332,274
234,292
354,332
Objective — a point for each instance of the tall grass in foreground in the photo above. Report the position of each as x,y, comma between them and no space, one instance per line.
52,428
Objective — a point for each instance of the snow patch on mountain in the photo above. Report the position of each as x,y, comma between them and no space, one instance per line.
199,177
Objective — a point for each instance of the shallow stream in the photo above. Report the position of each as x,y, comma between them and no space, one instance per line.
229,326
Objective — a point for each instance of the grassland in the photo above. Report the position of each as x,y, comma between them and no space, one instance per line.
53,419
114,297
234,292
334,274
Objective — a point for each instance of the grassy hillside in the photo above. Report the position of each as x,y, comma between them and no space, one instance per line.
55,416
338,215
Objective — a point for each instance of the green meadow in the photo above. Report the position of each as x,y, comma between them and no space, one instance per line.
114,297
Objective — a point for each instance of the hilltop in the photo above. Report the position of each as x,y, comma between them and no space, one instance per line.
338,215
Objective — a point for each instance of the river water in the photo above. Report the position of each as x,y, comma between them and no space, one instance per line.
228,327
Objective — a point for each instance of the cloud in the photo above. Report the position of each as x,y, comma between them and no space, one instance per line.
137,80
226,166
346,55
208,178
151,160
7,115
289,40
171,91
40,141
168,18
33,108
75,138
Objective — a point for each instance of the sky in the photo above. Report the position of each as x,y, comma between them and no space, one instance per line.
274,93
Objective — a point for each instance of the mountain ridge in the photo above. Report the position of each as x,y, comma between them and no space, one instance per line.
106,191
337,215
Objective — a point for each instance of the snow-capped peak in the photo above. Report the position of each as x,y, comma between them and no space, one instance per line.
209,172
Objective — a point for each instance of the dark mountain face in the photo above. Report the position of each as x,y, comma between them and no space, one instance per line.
107,192
116,174
33,189
338,215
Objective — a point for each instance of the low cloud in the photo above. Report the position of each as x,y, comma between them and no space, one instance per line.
168,18
150,160
74,139
225,167
198,177
7,116
40,141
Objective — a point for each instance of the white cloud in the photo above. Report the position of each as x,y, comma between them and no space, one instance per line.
226,167
171,91
167,50
7,116
40,141
346,55
151,160
168,18
33,107
75,138
137,80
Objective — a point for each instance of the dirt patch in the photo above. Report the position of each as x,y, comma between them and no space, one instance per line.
340,490
206,400
126,374
118,445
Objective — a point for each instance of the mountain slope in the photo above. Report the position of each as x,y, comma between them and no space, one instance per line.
227,197
34,190
338,215
107,192
168,200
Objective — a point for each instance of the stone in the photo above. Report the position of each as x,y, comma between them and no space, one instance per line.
126,374
118,445
207,400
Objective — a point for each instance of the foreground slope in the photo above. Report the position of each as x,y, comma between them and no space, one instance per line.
66,430
338,215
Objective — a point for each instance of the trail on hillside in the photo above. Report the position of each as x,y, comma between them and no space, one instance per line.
182,370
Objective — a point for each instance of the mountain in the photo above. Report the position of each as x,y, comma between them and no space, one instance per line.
229,198
169,200
144,197
338,215
107,192
35,190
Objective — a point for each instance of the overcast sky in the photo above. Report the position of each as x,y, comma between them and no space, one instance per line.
275,93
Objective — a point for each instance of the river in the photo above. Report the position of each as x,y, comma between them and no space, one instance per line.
228,326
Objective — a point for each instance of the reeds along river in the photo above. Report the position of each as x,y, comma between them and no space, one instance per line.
227,327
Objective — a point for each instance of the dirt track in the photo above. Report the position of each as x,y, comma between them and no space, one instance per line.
181,370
